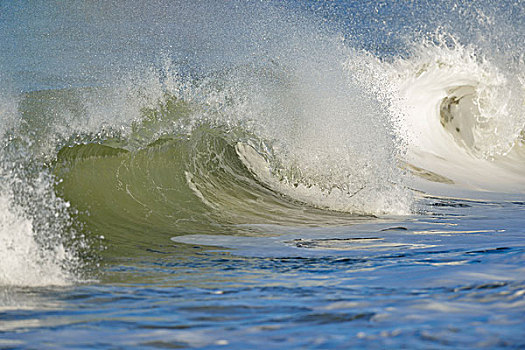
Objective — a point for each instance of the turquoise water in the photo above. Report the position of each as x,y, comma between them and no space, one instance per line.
325,175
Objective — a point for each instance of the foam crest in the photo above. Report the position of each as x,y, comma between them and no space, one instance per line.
459,113
24,261
37,243
457,77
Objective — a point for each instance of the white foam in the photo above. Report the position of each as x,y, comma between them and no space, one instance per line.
32,251
23,261
479,147
337,197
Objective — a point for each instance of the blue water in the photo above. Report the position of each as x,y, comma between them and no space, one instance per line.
452,279
238,267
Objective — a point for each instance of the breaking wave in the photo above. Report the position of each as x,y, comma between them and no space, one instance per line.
281,117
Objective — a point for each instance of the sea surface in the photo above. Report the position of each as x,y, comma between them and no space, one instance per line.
262,174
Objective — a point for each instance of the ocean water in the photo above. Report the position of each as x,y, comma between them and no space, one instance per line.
262,174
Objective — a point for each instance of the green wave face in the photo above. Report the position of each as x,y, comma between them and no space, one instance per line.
178,184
